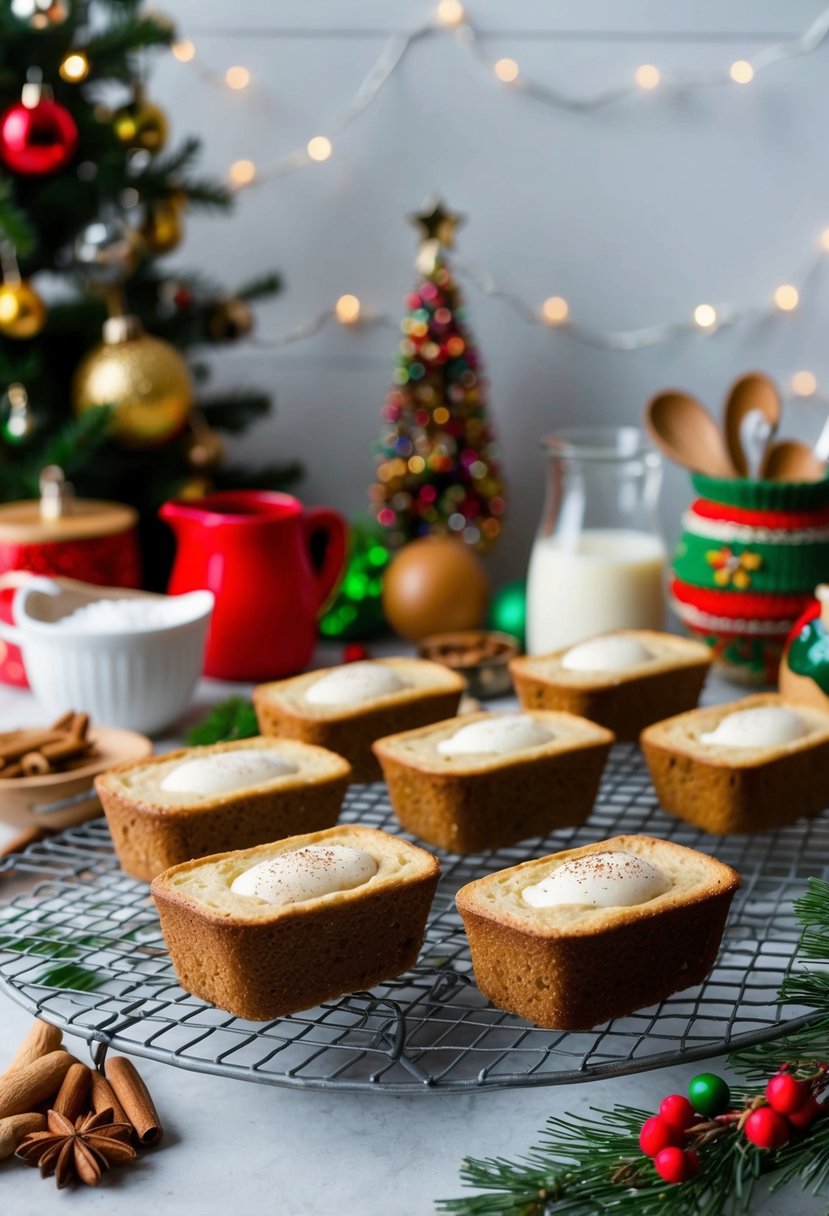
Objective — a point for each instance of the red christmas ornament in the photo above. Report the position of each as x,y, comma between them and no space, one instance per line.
786,1094
676,1164
766,1128
805,1114
37,139
355,652
678,1111
657,1134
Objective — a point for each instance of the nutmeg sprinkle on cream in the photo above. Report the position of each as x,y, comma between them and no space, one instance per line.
306,873
599,880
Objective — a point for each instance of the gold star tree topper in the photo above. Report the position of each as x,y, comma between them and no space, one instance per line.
437,226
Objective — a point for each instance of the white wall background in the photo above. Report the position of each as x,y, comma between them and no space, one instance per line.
635,213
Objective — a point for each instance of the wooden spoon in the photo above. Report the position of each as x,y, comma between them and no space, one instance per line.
687,433
752,393
790,460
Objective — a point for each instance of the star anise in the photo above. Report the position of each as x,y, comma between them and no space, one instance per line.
83,1150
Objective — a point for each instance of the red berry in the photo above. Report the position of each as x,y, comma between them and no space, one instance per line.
676,1165
677,1111
766,1128
786,1094
805,1114
657,1134
355,652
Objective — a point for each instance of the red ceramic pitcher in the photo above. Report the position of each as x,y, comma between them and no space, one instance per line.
251,548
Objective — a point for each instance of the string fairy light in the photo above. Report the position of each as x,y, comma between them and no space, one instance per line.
319,148
74,67
450,18
554,312
242,172
237,77
804,384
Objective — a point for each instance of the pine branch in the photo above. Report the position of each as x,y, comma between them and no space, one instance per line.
109,51
78,441
263,477
14,223
259,289
234,412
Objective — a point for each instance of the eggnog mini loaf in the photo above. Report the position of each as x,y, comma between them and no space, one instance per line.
623,680
267,931
571,940
747,766
487,780
346,708
201,800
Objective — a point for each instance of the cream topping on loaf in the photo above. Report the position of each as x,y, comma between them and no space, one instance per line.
498,735
599,880
306,873
611,653
224,772
354,684
761,726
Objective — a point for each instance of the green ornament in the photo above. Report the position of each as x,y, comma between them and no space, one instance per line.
356,612
508,610
709,1094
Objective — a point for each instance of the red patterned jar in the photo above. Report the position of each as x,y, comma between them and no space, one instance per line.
95,542
750,555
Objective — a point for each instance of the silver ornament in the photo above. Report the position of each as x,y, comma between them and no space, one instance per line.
105,251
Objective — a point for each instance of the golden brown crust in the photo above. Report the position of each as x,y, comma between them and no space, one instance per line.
352,734
736,790
150,837
628,701
575,978
470,810
305,953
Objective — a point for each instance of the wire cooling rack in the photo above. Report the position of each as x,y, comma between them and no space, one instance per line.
83,948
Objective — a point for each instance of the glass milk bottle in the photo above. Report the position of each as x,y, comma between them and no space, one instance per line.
598,562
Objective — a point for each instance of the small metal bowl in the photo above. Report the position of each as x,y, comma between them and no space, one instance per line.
486,676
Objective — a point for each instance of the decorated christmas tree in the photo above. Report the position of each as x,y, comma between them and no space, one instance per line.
437,469
92,323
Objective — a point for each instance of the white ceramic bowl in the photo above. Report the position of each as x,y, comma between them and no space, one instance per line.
141,678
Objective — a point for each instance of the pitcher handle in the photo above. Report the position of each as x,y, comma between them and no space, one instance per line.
18,579
335,529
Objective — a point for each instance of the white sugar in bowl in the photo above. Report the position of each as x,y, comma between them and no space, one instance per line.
127,658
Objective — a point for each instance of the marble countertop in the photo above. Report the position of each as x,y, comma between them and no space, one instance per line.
230,1145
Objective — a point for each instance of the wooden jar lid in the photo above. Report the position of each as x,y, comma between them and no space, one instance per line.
21,523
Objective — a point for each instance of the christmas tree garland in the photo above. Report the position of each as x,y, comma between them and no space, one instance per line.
706,1156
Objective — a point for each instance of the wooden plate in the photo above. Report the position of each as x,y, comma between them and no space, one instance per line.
59,800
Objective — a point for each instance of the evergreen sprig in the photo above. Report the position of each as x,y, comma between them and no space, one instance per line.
590,1165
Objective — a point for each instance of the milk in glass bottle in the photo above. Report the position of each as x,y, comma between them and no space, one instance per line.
598,562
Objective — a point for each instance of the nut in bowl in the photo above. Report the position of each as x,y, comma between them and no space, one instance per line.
125,657
479,655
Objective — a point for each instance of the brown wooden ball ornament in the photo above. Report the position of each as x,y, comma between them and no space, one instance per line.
435,585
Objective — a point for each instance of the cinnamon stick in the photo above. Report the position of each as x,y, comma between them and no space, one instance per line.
73,1092
67,747
21,1089
64,722
134,1097
103,1097
41,1039
12,770
13,746
80,725
14,1127
35,764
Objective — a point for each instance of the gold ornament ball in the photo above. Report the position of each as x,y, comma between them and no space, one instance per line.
22,312
141,125
145,380
435,585
229,320
163,229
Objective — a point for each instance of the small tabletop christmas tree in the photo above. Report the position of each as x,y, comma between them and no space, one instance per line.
437,468
91,198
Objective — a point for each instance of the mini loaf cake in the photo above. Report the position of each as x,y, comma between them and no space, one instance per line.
488,780
574,939
747,766
267,931
347,708
201,800
623,680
